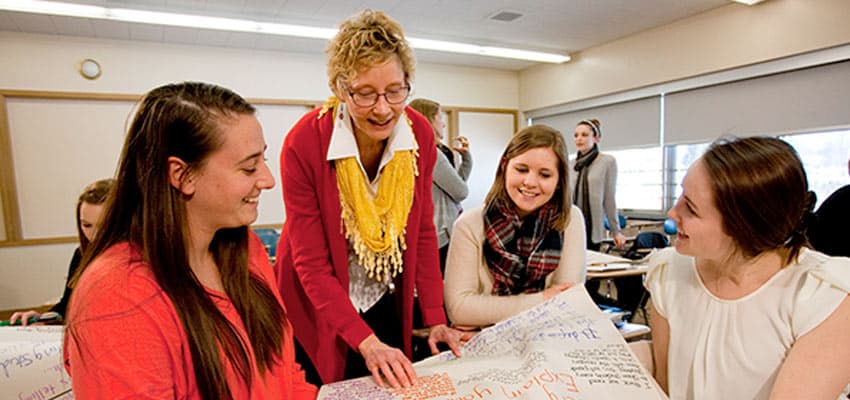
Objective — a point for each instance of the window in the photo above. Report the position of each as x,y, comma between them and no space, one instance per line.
639,178
683,156
825,156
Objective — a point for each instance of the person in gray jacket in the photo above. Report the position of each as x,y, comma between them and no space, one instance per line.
594,185
451,171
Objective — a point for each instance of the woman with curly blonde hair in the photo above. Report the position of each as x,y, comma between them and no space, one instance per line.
359,238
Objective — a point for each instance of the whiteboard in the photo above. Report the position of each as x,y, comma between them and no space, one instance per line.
276,122
61,145
489,134
58,147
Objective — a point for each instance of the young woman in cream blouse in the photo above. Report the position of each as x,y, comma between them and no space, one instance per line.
742,309
526,244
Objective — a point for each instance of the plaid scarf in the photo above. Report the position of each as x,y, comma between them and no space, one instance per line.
520,254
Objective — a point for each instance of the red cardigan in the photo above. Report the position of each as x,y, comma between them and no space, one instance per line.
312,260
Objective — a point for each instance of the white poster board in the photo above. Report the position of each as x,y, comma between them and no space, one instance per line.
564,349
31,364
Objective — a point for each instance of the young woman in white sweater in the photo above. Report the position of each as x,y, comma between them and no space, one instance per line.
743,309
526,244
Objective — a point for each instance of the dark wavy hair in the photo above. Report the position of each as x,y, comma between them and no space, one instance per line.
526,139
184,120
761,190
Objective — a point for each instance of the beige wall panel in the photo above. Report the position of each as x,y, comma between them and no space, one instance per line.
276,122
488,135
59,146
33,275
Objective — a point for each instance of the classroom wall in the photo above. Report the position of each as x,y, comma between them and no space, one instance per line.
724,38
721,39
34,275
488,134
46,62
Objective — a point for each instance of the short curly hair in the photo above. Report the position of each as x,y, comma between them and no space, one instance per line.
367,39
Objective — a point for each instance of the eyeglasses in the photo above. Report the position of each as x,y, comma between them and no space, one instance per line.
392,96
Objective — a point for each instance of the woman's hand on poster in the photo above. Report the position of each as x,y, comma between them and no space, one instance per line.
555,290
450,336
386,361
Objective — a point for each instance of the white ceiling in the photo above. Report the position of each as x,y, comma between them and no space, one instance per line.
563,26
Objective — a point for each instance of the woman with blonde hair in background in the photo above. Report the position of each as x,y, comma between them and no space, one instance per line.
450,175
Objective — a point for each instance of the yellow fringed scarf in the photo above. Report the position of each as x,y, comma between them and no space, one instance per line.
377,226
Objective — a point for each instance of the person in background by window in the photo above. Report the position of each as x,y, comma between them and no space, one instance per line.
449,187
175,299
526,244
359,235
89,208
742,309
594,187
828,233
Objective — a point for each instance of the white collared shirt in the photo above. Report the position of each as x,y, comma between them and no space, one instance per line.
363,291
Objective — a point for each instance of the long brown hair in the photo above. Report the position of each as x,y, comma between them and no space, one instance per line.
429,109
183,120
526,139
760,188
94,193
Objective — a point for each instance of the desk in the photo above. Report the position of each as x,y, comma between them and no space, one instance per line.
610,240
601,266
629,270
648,223
609,267
631,331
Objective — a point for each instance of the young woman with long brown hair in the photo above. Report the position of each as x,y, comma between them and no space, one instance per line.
176,297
